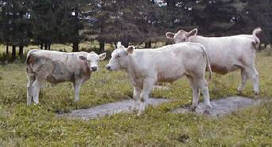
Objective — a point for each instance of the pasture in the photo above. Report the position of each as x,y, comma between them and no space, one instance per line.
38,124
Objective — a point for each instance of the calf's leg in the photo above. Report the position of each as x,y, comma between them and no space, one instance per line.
136,93
31,79
147,88
254,75
77,85
36,90
196,93
203,85
244,76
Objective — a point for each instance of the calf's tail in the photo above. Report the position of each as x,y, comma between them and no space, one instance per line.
28,61
208,65
29,55
255,34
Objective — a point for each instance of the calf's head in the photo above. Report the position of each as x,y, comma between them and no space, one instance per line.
92,60
119,57
181,35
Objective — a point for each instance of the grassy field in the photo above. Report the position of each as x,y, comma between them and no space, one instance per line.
38,125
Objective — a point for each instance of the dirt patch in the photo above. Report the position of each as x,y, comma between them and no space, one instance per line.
222,107
127,106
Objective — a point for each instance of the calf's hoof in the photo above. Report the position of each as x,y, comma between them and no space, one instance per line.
209,106
141,110
193,108
28,103
257,93
206,112
256,96
36,104
139,113
239,92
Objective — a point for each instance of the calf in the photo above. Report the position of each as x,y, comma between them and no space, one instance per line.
228,54
145,67
56,67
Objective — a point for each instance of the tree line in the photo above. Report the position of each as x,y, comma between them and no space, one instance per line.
41,22
44,22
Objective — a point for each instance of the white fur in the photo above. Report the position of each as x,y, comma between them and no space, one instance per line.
227,54
145,67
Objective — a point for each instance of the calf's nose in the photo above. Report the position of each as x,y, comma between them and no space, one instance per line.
108,67
94,68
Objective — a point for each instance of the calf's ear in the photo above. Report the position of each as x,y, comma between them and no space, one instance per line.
130,49
119,45
82,58
170,35
102,56
192,33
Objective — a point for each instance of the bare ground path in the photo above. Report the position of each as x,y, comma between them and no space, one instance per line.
221,107
127,106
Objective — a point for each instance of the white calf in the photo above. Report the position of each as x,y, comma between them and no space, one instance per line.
145,67
227,53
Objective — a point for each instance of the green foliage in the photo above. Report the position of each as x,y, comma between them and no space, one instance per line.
42,21
218,17
122,20
55,21
260,13
15,25
129,21
39,126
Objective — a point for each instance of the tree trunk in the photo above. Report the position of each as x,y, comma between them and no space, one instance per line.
265,46
7,49
42,46
49,46
101,46
171,3
75,47
148,44
125,43
21,51
45,46
13,52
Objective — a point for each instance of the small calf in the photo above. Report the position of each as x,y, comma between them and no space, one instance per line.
56,67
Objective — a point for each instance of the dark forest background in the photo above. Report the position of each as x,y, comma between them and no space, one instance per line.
45,22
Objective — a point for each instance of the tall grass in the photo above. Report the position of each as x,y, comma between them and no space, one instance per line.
36,125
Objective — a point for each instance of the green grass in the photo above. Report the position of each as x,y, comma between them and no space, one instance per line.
38,125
